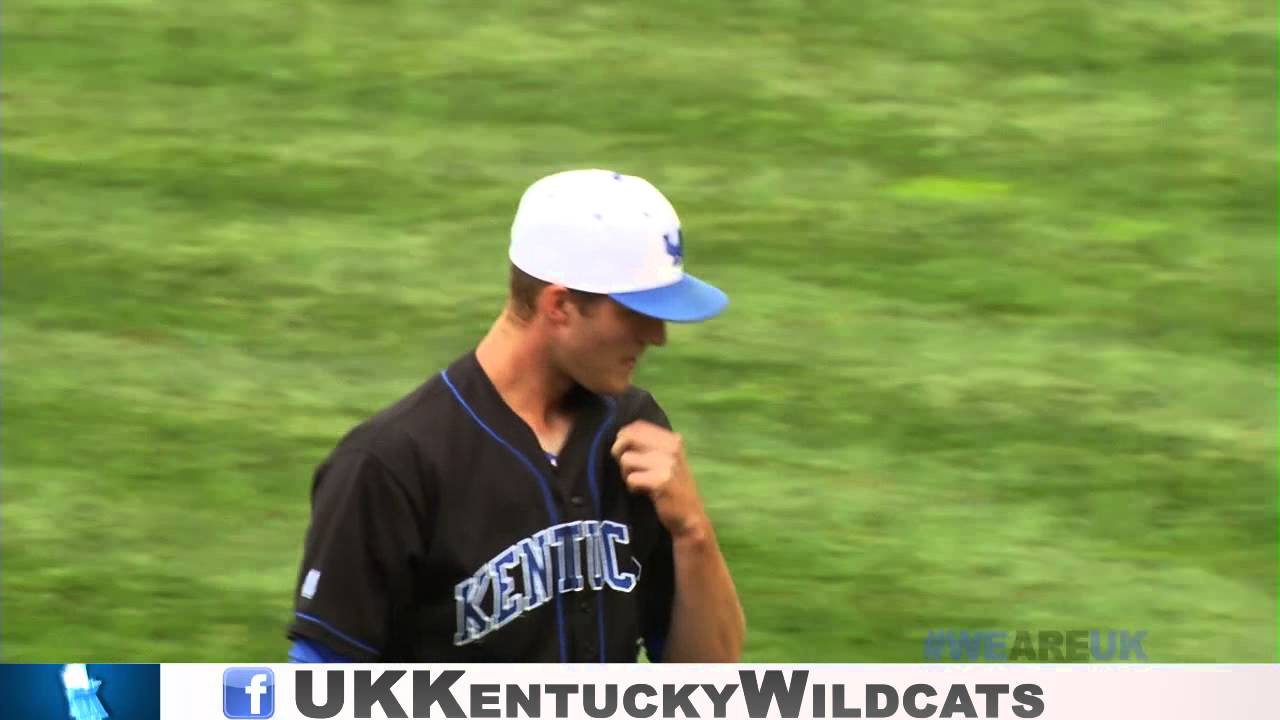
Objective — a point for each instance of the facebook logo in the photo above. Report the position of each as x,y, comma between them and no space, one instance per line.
248,693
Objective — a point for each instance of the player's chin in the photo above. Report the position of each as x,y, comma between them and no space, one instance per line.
615,384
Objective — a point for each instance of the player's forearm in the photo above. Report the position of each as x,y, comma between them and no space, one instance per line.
707,621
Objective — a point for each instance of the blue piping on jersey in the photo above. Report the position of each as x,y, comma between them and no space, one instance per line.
546,497
311,652
595,498
591,466
335,631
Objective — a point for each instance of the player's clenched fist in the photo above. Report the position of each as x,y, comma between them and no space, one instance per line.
653,461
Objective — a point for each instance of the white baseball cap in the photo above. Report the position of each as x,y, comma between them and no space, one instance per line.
603,232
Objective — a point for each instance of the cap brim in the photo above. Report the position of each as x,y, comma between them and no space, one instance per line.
688,301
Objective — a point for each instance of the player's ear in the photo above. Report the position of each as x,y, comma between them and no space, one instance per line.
554,302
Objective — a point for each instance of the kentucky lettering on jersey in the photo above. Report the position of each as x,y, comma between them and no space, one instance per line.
531,571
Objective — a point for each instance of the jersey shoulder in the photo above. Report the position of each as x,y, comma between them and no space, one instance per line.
637,403
402,434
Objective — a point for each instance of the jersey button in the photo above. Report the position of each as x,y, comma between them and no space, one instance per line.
577,501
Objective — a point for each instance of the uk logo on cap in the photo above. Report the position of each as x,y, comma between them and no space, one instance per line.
675,248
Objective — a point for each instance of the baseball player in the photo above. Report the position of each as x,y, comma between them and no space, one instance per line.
528,503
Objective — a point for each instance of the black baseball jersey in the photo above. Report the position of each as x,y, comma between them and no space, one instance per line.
441,532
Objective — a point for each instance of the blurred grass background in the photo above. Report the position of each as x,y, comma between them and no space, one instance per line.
1002,344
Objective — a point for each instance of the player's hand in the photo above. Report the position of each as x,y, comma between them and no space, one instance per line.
653,462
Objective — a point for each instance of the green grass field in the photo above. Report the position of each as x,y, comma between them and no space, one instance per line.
1002,344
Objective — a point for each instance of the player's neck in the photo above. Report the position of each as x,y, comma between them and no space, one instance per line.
510,357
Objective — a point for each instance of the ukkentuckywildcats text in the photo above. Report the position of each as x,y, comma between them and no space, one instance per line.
393,693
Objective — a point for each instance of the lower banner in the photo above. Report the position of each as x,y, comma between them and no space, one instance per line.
1052,692
289,692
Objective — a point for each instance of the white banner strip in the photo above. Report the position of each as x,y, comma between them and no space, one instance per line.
1047,692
